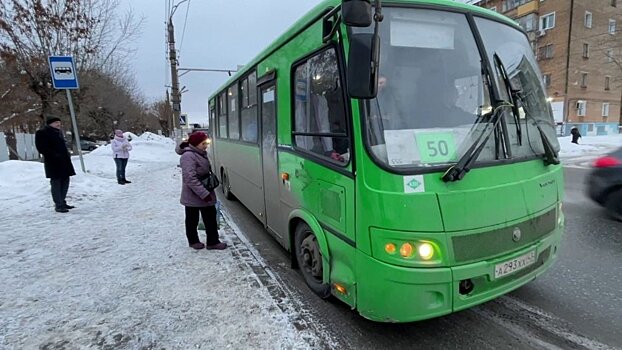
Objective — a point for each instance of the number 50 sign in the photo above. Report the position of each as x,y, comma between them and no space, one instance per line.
436,147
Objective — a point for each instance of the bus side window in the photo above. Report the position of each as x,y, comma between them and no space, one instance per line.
248,97
319,115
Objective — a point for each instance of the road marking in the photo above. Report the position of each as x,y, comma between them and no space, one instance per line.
539,321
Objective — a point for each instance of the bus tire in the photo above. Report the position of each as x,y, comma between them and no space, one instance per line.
309,260
225,187
613,204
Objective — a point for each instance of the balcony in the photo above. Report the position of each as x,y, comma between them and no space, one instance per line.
528,8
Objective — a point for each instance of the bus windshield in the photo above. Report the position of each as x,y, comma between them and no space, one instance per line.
516,54
433,98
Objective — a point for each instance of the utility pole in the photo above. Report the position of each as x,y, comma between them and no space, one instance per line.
170,115
176,95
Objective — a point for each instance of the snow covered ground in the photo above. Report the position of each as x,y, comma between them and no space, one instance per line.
116,272
589,146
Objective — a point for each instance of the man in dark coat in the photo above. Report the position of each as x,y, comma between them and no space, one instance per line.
58,168
576,135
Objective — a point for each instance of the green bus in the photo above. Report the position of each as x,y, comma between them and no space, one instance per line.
403,152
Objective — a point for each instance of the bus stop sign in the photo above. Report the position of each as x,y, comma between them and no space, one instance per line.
63,72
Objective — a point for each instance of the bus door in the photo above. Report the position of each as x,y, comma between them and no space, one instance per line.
271,180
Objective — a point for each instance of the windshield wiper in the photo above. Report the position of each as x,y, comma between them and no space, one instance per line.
516,96
550,156
456,172
512,93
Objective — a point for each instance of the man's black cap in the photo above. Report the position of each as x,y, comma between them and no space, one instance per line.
51,120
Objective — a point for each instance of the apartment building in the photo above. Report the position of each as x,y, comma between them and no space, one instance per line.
578,44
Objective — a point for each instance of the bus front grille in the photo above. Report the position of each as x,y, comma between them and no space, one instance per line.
489,244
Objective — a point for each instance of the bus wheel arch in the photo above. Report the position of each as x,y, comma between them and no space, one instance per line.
309,252
225,186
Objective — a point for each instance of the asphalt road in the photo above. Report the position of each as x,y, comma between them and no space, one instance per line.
575,305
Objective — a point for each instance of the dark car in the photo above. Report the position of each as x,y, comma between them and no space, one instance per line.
87,145
604,183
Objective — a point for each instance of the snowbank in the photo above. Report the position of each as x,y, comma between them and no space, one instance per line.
116,271
589,145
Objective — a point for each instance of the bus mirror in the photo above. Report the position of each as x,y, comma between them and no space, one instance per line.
362,70
356,13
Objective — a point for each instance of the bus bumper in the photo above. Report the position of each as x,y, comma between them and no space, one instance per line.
389,293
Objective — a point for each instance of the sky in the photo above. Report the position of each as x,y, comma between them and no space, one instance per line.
219,34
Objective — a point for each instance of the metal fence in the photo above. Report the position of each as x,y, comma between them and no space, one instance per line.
19,146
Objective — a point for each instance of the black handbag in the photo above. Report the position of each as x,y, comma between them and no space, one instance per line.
210,181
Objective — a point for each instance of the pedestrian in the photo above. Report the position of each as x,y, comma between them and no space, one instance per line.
576,135
194,196
121,148
50,142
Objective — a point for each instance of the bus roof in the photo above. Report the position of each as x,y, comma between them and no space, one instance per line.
325,4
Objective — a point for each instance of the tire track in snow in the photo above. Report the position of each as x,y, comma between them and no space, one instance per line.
284,298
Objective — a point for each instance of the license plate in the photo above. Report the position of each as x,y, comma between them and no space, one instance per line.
516,264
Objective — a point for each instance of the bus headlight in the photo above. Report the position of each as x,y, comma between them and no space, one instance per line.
414,251
426,251
409,249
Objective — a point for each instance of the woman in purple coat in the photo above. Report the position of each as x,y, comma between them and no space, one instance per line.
196,198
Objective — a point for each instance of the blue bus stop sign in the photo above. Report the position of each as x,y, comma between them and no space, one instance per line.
63,72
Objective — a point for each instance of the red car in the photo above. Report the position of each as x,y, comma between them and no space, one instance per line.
604,183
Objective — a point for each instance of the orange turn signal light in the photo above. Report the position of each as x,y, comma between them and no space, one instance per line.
341,289
390,248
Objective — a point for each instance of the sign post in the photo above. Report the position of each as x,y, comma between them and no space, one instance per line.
64,77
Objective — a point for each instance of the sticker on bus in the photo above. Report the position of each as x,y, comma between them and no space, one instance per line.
414,184
421,146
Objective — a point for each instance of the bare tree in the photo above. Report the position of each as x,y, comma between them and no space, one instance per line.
161,110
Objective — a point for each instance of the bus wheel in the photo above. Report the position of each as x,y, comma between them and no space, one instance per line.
613,204
225,187
309,260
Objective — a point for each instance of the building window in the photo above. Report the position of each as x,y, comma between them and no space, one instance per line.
546,79
587,19
545,52
614,3
609,55
586,50
612,26
607,82
605,110
508,5
547,21
494,8
319,108
529,23
581,107
583,80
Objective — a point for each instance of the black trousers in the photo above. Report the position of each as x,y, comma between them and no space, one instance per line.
209,219
121,164
60,186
